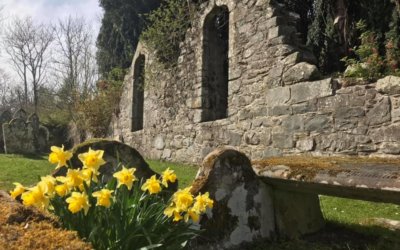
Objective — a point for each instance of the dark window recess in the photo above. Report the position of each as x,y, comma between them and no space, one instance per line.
215,65
138,94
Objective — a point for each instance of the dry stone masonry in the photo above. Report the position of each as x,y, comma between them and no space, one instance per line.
262,94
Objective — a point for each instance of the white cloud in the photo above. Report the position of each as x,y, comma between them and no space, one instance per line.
49,11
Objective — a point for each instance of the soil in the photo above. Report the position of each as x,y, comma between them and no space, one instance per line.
25,228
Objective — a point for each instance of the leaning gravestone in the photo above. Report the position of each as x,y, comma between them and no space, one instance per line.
243,206
23,134
19,135
116,154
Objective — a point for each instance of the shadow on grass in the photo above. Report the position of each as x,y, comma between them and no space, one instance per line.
335,236
27,156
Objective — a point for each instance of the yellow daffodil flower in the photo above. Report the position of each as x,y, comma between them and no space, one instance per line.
202,202
125,177
35,197
194,215
183,199
169,211
59,156
89,174
173,211
103,197
47,184
177,216
92,159
18,190
77,202
62,189
74,178
168,176
152,185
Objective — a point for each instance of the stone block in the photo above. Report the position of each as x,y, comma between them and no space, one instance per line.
318,123
389,85
305,107
166,154
280,110
348,112
390,148
275,21
159,142
300,72
282,30
305,144
293,123
235,139
380,113
251,138
277,96
306,91
282,141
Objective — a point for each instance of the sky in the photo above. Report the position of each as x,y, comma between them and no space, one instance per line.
49,11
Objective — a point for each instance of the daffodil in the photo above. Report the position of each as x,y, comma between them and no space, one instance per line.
48,183
202,202
18,190
168,176
59,156
89,174
92,159
78,201
125,177
35,197
192,214
103,197
177,216
183,199
173,211
74,178
62,189
152,185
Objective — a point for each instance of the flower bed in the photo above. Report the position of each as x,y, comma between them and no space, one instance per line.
123,212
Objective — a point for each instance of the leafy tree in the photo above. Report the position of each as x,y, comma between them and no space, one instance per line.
121,27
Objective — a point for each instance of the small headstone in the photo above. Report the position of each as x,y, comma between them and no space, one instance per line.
116,154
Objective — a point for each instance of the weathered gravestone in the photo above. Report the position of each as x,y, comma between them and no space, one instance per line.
243,206
19,135
116,154
5,116
23,134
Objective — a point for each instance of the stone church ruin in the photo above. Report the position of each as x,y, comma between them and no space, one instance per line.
245,79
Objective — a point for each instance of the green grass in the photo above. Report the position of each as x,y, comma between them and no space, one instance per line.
23,169
185,173
347,211
344,216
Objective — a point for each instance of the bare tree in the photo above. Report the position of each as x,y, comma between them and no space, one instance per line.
75,65
27,45
10,95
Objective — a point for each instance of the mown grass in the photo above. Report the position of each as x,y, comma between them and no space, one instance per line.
344,216
23,169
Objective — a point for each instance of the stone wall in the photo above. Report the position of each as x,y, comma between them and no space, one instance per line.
277,102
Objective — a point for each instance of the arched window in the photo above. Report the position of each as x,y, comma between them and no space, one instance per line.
138,94
215,65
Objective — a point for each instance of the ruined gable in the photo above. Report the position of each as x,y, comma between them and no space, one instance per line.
243,79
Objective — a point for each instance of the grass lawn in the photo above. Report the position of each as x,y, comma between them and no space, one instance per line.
344,216
23,169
